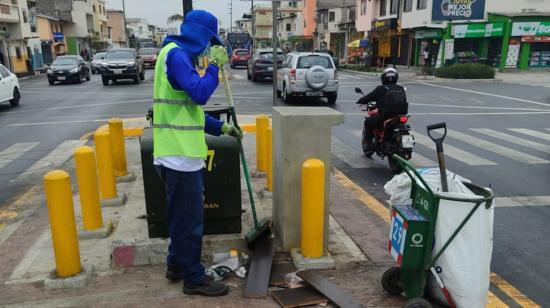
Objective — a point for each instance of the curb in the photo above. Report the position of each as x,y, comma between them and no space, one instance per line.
437,79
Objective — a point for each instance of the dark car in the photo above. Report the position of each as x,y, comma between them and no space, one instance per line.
69,69
149,56
334,58
261,64
239,57
122,63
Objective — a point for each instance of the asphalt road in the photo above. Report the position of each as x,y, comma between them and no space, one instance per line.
500,139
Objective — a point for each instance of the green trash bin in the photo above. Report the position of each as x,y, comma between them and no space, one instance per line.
222,187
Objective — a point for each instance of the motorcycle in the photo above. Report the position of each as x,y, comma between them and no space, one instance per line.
392,138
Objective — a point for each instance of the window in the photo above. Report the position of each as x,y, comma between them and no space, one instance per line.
422,4
4,72
408,6
393,6
18,53
382,7
363,7
93,6
309,61
140,30
288,27
331,16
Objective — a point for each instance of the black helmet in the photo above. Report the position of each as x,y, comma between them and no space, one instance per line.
389,75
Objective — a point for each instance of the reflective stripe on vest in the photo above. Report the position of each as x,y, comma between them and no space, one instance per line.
178,122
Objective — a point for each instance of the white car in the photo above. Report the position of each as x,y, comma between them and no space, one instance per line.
307,74
9,87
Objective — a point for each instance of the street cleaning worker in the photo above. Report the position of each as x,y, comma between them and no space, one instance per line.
179,125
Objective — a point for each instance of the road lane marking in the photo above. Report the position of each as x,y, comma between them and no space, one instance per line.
496,149
383,212
479,107
532,133
54,159
487,94
15,151
513,139
23,267
522,201
454,152
101,104
514,293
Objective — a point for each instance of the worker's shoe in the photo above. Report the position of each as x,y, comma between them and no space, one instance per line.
173,273
207,287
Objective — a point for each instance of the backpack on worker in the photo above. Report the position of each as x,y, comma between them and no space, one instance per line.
395,101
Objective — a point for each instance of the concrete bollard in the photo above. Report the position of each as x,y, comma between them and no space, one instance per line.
313,203
86,175
59,199
119,150
269,150
107,185
262,122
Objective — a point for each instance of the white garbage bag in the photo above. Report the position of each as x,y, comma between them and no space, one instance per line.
465,265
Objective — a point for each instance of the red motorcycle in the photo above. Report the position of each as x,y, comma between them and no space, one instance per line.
393,137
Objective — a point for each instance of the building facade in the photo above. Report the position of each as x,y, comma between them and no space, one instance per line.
115,22
15,31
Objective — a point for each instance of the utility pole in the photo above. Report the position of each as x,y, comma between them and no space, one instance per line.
275,66
125,29
230,16
187,6
253,25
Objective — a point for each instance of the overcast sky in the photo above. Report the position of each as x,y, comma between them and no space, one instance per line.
157,11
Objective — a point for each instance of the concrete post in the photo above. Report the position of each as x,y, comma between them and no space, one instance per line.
299,133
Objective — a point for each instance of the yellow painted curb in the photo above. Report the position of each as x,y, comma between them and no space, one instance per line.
133,131
248,127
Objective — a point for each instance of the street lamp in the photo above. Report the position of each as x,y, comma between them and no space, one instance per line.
125,29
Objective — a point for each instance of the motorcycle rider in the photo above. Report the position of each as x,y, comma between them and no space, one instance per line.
390,100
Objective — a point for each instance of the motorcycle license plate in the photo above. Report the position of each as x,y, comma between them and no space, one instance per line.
407,141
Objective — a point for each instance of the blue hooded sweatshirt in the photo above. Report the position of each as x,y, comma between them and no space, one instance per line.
197,31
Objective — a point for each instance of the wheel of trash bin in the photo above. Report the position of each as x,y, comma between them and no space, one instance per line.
391,282
417,302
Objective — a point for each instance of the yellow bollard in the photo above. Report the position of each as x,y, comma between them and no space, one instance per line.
59,199
118,147
262,122
107,185
269,150
86,176
313,204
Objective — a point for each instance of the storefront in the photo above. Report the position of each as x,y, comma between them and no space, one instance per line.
389,46
426,40
534,38
475,43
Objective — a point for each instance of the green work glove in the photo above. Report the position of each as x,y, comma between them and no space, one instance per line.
218,55
231,130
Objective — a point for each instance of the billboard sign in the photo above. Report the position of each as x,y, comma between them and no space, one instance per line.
458,9
537,28
478,30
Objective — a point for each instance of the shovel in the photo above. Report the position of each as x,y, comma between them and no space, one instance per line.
440,154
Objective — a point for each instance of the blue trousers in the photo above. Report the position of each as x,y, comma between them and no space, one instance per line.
185,213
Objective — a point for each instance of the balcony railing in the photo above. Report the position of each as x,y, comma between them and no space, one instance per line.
9,13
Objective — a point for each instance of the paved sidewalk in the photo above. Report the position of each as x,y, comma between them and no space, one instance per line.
26,256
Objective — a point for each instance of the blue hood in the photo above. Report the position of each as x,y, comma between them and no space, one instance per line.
198,29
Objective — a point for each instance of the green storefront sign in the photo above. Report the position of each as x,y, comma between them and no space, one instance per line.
478,30
428,34
536,28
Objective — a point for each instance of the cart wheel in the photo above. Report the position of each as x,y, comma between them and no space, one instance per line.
391,282
417,303
395,167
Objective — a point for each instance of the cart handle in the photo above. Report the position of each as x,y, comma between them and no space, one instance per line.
409,169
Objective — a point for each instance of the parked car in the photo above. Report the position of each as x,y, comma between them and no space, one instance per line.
239,57
335,59
69,69
260,64
307,74
9,87
149,56
97,60
122,63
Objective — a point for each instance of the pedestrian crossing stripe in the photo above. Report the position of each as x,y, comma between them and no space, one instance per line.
532,133
513,139
14,152
454,152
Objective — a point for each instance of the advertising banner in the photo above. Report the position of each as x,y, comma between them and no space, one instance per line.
478,30
458,9
536,28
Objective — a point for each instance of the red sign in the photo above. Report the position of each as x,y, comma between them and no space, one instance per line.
536,39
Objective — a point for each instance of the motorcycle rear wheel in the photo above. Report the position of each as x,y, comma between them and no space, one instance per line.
368,152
